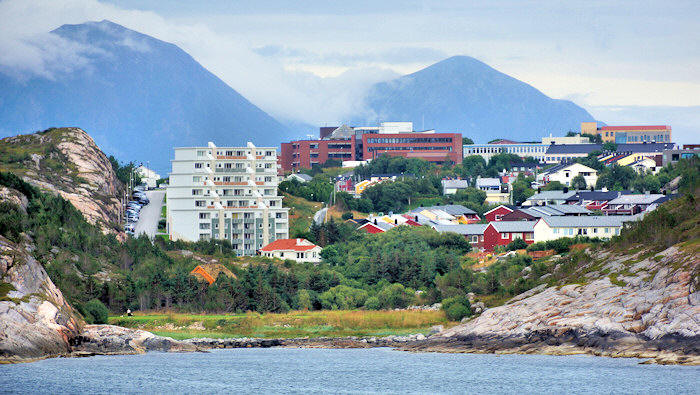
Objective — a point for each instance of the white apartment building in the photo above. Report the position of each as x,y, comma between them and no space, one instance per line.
226,193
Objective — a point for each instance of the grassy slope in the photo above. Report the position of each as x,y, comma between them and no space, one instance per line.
301,213
330,323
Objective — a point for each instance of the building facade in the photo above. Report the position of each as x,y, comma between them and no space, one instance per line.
227,193
353,145
629,134
523,150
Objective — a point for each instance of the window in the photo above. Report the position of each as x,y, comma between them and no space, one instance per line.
505,235
198,165
199,203
201,153
196,192
204,226
196,178
475,239
203,215
498,217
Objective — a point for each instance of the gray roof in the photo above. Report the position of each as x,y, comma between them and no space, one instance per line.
452,209
552,195
459,184
636,199
488,182
303,176
566,208
471,229
554,149
563,166
513,226
586,221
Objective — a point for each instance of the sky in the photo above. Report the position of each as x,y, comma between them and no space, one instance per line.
311,61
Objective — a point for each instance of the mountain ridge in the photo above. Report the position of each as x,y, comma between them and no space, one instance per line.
466,95
139,97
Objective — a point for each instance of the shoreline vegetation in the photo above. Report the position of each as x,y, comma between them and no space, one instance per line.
293,324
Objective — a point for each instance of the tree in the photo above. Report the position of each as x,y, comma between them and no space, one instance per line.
578,183
457,308
609,146
467,141
554,186
595,138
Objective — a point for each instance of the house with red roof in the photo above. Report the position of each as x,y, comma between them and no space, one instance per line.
300,250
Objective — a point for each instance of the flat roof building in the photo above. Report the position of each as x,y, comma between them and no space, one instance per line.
226,193
629,134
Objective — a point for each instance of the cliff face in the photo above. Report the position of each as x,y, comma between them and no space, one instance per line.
643,305
35,319
67,161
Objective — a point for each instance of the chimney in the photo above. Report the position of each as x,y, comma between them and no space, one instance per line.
416,218
396,221
539,190
375,221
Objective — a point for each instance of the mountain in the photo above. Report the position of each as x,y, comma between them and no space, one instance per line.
138,96
465,95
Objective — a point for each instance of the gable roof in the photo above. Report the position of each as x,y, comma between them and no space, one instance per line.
513,226
458,184
452,209
564,166
289,245
303,176
597,195
505,206
341,133
584,222
471,229
637,199
552,195
488,182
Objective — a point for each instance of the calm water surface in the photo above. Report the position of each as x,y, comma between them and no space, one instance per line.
378,370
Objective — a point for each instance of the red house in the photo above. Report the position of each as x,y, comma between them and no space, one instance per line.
501,233
497,213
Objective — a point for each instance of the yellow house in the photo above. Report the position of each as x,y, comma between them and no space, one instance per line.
361,186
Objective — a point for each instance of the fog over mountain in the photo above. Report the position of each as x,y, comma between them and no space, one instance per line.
137,96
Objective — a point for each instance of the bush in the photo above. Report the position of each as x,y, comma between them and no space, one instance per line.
95,312
395,296
517,244
304,301
342,297
346,215
373,303
457,308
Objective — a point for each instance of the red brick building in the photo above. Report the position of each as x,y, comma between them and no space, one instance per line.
362,143
433,147
302,154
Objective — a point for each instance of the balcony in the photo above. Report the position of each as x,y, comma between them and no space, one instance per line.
230,170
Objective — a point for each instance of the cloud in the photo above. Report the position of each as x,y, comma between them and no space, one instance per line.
349,59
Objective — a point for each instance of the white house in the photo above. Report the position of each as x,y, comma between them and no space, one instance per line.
564,173
555,227
148,176
300,250
301,177
450,187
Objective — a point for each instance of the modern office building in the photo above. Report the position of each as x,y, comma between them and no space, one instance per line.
362,143
226,193
566,153
629,134
523,150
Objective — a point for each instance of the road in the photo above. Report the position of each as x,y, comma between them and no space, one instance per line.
320,216
150,214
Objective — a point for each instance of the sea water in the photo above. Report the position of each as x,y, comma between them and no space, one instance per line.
376,370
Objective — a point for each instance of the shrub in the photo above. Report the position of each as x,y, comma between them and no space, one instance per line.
346,215
95,312
457,308
304,301
373,303
395,296
342,297
517,244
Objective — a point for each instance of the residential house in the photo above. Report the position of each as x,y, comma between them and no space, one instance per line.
375,226
549,197
535,212
488,184
555,227
473,233
301,177
594,200
495,214
450,187
449,214
564,173
502,233
148,176
300,250
646,165
634,204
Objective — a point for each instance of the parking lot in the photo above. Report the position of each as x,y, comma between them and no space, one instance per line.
150,214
